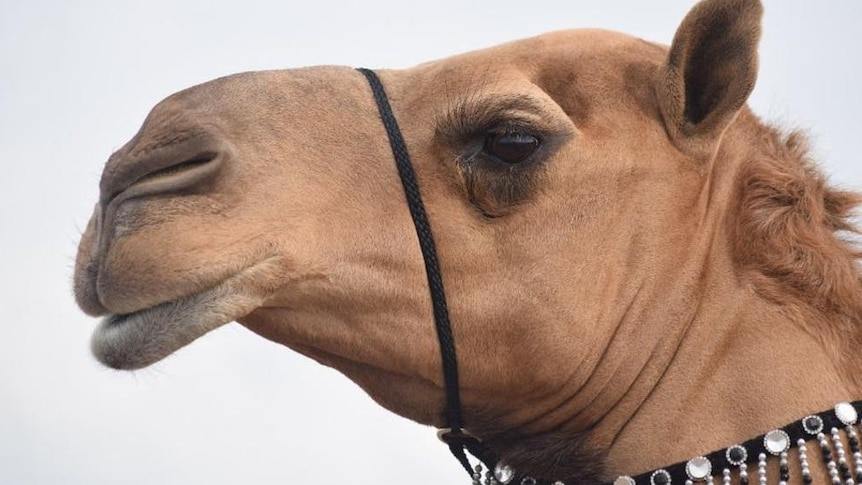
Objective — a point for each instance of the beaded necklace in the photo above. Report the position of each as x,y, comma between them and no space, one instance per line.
739,462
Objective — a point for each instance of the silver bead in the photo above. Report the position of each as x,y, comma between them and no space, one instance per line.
660,473
503,473
812,424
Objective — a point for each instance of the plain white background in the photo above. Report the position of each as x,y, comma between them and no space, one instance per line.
77,79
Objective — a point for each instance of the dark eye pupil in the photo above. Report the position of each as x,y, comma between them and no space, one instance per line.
512,147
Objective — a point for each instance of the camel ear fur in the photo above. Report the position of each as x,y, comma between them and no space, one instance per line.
709,73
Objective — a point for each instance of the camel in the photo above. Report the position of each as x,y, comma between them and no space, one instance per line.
643,280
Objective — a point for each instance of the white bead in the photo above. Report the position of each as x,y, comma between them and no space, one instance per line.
698,468
776,441
846,413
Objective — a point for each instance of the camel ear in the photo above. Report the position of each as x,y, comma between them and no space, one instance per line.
710,72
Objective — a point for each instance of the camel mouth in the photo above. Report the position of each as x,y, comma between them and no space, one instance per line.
141,338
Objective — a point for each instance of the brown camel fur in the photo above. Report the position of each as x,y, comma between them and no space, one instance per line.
663,275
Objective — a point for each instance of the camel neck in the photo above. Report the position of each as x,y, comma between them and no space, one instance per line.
735,365
729,380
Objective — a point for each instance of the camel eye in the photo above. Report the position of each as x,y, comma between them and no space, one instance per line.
511,148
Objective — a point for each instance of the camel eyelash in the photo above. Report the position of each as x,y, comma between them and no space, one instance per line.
468,119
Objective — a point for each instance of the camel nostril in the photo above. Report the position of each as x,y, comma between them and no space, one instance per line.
169,162
159,177
180,168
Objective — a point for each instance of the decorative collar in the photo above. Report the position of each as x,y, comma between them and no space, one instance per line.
743,462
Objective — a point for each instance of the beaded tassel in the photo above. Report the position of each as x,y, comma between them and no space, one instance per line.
725,477
761,469
830,461
843,469
489,478
737,455
783,469
803,461
477,475
853,438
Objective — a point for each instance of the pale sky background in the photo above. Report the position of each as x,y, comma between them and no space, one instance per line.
77,79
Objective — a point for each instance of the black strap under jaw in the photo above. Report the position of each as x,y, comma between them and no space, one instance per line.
454,436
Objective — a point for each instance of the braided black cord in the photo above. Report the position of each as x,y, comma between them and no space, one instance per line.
429,254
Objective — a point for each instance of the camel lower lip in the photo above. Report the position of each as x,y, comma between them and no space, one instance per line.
136,340
139,339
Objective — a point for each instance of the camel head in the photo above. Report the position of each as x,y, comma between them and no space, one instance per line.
581,187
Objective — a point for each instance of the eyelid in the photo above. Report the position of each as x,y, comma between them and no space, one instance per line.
496,126
513,125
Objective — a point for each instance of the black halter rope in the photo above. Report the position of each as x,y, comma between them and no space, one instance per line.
454,435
